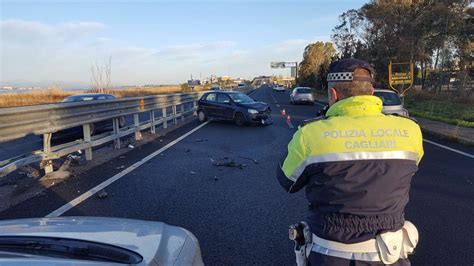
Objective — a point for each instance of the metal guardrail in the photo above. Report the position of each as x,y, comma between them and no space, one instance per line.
45,120
18,122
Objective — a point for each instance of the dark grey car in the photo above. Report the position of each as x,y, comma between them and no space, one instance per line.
233,106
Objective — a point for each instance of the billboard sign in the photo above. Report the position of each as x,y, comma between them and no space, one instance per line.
282,64
194,82
400,75
293,72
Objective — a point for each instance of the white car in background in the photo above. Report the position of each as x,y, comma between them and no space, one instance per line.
278,88
302,95
392,104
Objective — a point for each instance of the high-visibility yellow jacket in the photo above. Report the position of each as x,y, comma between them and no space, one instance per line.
356,164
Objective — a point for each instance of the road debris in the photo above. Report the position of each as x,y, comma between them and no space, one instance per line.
188,150
29,171
72,156
192,172
201,140
65,164
102,194
215,178
131,146
59,174
228,162
120,167
248,158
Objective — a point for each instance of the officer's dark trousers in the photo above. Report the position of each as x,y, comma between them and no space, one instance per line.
316,259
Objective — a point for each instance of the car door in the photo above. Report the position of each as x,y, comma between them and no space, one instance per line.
208,104
225,108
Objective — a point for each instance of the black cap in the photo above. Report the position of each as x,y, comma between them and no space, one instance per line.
343,70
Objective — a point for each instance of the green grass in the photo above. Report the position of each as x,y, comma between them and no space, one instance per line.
456,113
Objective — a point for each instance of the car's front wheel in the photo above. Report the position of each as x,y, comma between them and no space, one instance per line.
239,119
202,116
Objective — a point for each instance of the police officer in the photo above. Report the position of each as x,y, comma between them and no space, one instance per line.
356,164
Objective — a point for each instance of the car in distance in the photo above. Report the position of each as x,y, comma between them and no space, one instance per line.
278,88
301,95
95,241
232,106
215,88
392,104
102,126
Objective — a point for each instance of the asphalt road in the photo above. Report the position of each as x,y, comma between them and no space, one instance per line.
240,216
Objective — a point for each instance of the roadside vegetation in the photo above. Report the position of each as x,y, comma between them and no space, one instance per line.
55,95
444,108
433,35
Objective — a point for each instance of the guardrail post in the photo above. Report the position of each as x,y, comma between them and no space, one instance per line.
165,119
136,123
116,126
152,120
182,112
175,121
86,129
48,164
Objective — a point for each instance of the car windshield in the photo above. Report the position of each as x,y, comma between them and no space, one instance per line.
388,98
68,248
240,98
305,90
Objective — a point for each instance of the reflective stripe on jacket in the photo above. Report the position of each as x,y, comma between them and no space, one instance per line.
357,166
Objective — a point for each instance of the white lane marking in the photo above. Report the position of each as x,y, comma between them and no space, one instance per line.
274,99
449,148
66,207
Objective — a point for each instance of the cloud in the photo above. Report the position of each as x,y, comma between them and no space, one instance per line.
34,50
194,50
23,30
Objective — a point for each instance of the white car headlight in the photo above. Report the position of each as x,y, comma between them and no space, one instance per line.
252,111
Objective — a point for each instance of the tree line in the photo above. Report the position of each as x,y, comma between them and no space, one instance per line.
436,35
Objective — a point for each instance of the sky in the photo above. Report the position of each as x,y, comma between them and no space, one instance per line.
158,42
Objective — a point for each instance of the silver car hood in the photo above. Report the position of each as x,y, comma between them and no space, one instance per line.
157,242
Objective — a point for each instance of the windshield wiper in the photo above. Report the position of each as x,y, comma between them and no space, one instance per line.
68,248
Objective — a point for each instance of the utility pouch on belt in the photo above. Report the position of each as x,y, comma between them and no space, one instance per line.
301,234
392,246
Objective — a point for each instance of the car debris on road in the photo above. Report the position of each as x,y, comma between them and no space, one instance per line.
228,162
102,194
